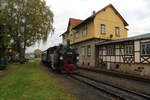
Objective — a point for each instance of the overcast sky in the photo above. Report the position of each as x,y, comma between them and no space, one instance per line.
135,12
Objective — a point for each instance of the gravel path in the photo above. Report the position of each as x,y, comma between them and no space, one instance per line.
79,90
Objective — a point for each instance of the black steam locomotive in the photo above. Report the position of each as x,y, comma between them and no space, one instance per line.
61,58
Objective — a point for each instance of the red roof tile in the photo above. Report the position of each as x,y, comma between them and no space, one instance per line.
74,22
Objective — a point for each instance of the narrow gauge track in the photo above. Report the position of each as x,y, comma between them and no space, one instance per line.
118,75
115,91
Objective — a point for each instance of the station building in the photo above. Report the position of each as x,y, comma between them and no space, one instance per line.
83,35
131,55
102,41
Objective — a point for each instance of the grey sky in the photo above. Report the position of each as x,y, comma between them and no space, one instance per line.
135,12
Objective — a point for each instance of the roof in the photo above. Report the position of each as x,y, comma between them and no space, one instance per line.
139,37
93,16
72,22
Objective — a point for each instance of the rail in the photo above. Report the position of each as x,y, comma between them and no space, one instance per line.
146,97
141,79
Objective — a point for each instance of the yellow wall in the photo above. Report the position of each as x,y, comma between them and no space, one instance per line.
107,17
90,33
111,20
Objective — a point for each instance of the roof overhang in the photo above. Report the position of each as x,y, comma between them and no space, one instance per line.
134,38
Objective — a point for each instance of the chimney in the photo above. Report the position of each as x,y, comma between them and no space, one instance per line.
93,13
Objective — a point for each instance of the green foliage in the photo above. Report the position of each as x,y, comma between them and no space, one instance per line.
4,37
26,21
4,34
31,82
37,51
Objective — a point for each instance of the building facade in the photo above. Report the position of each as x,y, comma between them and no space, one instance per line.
68,34
104,25
130,55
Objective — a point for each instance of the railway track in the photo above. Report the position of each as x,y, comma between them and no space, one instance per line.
114,91
121,75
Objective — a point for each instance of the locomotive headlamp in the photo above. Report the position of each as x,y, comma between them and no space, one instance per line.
61,58
77,57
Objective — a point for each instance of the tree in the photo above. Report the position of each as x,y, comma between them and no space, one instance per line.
28,21
4,37
37,52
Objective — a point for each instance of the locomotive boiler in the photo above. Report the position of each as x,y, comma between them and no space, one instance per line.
61,58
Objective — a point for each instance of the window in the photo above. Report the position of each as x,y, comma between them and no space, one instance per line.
110,51
103,29
77,35
88,50
84,31
145,49
82,51
117,31
129,49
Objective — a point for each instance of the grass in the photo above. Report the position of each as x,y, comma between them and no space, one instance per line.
31,82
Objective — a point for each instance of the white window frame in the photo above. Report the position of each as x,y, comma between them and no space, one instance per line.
77,35
146,49
84,32
117,31
103,29
110,51
129,49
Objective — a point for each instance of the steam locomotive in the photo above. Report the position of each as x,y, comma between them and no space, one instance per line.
61,58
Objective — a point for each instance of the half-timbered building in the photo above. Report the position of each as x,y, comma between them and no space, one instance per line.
127,55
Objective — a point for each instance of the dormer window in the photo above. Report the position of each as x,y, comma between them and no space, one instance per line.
84,32
103,29
117,31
